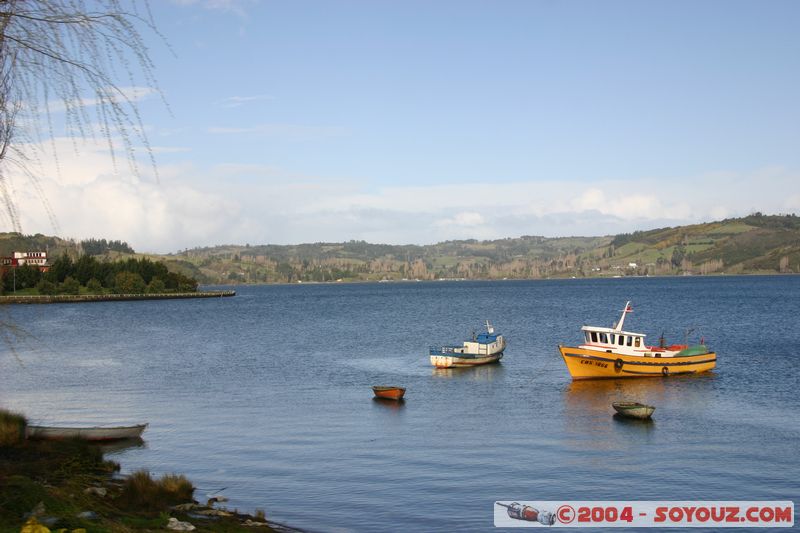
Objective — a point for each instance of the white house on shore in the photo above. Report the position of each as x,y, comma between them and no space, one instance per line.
18,259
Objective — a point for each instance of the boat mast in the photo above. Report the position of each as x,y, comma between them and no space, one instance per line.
628,309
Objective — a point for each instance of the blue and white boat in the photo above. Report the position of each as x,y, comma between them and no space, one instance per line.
481,349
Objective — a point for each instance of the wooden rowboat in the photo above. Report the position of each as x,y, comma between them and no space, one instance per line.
634,410
84,433
390,393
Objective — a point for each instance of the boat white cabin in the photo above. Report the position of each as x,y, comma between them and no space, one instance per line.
618,341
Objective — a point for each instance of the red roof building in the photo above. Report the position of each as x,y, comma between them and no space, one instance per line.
17,259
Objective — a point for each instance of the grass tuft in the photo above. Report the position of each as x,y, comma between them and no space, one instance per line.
177,486
12,428
142,491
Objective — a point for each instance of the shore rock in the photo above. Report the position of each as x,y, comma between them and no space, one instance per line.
184,507
176,525
99,491
253,523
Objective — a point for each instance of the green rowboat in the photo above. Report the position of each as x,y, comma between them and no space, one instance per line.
634,410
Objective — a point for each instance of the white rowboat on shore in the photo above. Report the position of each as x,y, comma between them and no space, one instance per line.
84,433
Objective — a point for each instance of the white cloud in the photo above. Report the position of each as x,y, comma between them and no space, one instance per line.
89,197
792,203
170,149
238,101
234,203
590,199
125,95
237,7
621,203
292,132
466,219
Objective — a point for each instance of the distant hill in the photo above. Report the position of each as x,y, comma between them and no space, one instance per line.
753,244
16,242
750,245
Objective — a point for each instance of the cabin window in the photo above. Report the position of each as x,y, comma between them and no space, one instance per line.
588,339
612,338
594,336
621,340
604,338
637,342
630,341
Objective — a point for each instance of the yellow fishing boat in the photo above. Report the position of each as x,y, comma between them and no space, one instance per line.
616,353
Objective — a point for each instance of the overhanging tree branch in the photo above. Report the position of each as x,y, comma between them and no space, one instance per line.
62,52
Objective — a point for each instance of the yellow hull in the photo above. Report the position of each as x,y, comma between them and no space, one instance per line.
597,364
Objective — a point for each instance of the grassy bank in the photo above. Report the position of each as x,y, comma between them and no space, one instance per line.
69,485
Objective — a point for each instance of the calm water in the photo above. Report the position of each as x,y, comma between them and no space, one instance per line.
268,394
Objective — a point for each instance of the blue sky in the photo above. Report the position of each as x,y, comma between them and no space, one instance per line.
419,121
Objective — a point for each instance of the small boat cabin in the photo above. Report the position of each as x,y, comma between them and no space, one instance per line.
616,340
613,338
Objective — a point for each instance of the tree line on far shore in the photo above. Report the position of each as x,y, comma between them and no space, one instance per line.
88,275
102,246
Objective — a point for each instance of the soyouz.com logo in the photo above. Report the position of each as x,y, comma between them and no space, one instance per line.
605,514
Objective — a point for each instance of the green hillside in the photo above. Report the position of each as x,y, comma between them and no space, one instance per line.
99,248
750,245
524,257
754,244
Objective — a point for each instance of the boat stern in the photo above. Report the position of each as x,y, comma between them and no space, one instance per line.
442,361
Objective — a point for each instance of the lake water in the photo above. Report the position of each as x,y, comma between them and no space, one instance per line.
268,394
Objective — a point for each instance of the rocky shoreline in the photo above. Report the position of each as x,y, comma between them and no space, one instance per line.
68,485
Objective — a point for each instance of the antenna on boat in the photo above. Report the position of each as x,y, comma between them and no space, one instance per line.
489,328
686,336
628,309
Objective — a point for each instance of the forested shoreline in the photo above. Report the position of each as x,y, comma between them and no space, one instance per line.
88,275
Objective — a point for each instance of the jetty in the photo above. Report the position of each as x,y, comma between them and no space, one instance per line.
77,298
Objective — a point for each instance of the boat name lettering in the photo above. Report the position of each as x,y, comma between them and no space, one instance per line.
595,363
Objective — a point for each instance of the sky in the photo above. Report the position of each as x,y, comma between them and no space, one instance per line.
416,122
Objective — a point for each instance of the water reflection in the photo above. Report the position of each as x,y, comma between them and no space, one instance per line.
488,372
121,445
386,403
588,413
596,396
589,417
634,425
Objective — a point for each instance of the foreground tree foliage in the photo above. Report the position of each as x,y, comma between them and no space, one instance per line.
128,283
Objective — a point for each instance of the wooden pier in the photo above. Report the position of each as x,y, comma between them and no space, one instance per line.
79,298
